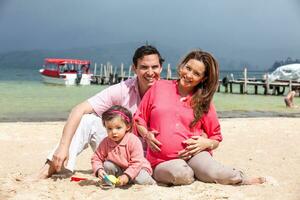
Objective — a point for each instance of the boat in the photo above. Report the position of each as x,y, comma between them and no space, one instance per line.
286,72
66,71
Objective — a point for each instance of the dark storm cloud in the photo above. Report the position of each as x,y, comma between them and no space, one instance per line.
264,29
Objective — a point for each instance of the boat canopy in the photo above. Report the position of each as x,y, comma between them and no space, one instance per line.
286,72
61,61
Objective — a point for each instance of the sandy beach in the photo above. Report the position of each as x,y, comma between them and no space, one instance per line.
259,146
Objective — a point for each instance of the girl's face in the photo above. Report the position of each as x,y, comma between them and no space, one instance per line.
116,129
191,74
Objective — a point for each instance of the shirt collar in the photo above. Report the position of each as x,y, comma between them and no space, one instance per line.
123,142
135,87
187,98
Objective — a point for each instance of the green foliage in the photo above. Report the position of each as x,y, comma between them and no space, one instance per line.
283,62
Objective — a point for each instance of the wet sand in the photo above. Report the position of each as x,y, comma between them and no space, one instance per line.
62,116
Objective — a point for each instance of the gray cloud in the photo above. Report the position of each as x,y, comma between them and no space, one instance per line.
259,30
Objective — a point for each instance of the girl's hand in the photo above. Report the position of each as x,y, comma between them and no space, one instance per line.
101,174
152,142
123,180
194,145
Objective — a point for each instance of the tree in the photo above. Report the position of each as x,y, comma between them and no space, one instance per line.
277,64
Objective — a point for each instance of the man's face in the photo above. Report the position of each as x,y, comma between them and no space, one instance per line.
148,70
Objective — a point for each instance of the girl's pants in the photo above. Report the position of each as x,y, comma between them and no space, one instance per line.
143,178
201,166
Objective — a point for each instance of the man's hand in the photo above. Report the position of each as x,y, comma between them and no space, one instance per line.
194,145
59,158
62,152
152,142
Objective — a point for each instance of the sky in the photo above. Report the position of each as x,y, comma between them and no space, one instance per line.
259,31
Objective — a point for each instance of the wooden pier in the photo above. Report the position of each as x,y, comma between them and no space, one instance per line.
274,88
279,87
109,75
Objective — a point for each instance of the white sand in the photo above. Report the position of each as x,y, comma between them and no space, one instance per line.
261,146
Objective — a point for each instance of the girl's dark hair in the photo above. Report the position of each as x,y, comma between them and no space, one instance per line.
205,90
117,111
146,50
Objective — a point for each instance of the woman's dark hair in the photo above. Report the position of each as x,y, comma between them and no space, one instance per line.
146,50
117,111
205,90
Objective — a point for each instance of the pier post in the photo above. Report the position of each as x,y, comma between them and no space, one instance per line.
255,89
114,80
95,69
290,85
267,85
169,75
101,70
122,72
129,71
245,81
106,73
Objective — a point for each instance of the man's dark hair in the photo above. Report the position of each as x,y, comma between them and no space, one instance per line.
144,51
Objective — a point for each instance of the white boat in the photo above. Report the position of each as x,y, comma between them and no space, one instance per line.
66,71
286,72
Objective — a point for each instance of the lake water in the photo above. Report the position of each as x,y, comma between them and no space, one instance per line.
33,75
25,97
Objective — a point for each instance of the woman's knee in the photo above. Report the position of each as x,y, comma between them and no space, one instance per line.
208,170
174,172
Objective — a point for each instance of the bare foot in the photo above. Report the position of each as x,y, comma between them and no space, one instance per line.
254,181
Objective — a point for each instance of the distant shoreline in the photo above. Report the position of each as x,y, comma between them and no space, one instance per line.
51,117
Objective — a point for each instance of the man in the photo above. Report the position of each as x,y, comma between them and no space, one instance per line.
84,126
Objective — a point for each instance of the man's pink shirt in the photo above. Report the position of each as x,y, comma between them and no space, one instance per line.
125,94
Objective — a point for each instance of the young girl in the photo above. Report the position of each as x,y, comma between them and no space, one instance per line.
121,152
180,124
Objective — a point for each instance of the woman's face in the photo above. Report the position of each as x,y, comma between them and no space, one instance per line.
191,74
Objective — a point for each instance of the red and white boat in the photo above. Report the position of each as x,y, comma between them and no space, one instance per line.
66,71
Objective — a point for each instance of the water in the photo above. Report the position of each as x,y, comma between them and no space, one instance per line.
25,97
33,75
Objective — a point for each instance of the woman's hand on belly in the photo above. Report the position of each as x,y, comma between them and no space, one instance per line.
152,142
194,145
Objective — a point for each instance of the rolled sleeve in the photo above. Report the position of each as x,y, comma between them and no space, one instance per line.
143,113
106,98
211,124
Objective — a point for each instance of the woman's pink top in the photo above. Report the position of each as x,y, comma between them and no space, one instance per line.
164,110
128,155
